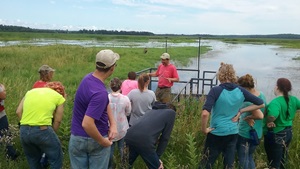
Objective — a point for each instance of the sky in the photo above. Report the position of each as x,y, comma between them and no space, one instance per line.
215,17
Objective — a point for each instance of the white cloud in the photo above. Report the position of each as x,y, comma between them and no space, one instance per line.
159,16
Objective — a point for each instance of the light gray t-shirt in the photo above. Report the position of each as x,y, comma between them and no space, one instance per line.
2,113
140,103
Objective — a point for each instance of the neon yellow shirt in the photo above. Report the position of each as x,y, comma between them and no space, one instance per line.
39,105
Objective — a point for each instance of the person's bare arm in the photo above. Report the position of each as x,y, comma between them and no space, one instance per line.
19,111
3,92
270,121
204,120
90,128
153,74
255,115
58,115
173,79
247,109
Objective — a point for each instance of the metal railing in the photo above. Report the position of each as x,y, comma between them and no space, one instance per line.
189,86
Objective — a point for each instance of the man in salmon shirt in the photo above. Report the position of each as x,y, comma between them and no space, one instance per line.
167,74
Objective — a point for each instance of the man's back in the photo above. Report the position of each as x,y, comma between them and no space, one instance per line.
90,89
156,122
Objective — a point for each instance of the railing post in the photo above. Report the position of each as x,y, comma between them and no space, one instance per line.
166,44
150,84
191,86
199,52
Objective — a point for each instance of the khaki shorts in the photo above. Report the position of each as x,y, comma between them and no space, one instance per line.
163,94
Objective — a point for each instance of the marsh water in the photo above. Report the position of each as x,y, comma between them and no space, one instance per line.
266,63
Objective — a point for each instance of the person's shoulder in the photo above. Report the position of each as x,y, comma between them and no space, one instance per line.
126,81
276,100
293,97
217,88
133,91
151,92
123,96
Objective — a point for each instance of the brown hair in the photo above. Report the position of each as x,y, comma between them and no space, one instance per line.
57,86
131,75
246,81
46,75
115,84
226,73
105,70
285,86
143,78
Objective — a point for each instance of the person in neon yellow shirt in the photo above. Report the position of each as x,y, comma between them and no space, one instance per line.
40,113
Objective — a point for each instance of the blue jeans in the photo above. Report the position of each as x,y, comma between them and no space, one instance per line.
245,151
85,152
120,144
149,156
10,151
35,141
214,145
276,146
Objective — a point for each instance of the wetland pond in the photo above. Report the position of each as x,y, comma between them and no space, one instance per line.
266,63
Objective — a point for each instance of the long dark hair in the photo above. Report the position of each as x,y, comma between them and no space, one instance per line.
285,86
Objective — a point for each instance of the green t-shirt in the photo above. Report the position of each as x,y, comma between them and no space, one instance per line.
39,105
278,108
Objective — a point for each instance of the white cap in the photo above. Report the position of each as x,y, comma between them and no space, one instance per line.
107,57
165,56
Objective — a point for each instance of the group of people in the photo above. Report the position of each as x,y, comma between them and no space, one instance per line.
99,119
234,118
239,115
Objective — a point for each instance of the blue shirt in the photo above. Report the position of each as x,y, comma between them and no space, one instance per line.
224,102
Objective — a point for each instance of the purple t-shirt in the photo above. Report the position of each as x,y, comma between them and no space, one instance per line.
91,99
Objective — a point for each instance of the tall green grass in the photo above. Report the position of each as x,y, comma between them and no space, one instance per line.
19,70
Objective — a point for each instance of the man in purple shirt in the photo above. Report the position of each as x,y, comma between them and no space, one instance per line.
93,126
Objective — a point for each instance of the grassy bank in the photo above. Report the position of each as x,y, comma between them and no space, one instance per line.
285,43
22,36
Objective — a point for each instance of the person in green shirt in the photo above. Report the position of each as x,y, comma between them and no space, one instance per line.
278,123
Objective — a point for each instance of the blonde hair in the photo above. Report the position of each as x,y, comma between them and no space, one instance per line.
226,73
142,80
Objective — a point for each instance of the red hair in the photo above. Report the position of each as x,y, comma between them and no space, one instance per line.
57,86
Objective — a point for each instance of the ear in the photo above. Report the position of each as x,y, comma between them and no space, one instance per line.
112,68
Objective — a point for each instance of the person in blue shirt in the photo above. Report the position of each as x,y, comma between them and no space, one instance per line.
223,103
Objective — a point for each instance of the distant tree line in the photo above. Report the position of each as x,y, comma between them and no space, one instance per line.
9,28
